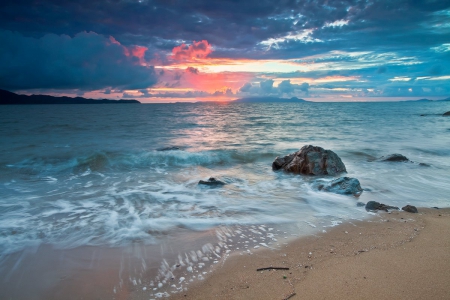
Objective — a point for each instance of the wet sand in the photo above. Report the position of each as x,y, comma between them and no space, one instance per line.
395,255
89,272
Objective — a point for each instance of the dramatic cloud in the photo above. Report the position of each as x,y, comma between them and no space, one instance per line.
86,61
195,51
228,48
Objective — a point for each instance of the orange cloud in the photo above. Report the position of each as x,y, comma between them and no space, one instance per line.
197,50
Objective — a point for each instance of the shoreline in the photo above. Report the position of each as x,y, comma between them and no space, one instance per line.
394,255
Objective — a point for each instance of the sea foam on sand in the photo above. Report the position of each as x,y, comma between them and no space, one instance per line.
394,255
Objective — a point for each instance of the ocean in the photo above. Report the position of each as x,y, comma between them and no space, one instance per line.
87,192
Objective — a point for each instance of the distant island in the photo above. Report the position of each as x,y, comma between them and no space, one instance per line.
10,98
268,100
428,100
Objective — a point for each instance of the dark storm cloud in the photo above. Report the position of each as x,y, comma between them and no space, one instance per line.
87,61
226,23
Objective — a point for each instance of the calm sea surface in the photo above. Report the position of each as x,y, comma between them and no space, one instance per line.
77,176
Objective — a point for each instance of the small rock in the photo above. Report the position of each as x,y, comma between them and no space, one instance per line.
360,204
374,206
394,157
343,186
410,208
212,182
172,148
447,114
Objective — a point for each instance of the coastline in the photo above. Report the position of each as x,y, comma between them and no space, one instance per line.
395,255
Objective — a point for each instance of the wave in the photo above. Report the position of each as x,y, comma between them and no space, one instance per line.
104,161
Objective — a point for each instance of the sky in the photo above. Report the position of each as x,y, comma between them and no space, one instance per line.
204,50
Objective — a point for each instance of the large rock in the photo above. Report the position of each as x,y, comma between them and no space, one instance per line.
394,157
374,206
310,160
447,114
343,186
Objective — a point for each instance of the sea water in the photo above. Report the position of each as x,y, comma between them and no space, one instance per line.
121,177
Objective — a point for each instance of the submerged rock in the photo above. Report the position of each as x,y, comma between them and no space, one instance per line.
447,114
212,182
400,158
310,160
410,208
172,148
424,165
375,206
343,186
394,157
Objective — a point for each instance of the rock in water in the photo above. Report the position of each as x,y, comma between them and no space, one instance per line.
393,157
447,114
212,182
343,186
374,206
310,160
172,148
410,208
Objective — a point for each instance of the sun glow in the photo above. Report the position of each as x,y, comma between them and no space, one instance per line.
218,65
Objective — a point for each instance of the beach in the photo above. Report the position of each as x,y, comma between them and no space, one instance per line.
396,255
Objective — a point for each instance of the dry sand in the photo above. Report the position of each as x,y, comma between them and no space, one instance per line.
395,255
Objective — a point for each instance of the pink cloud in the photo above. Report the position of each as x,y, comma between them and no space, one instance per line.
197,50
136,51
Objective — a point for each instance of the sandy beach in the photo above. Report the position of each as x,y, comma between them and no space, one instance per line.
395,255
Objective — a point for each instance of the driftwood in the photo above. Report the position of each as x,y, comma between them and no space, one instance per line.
272,268
290,296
